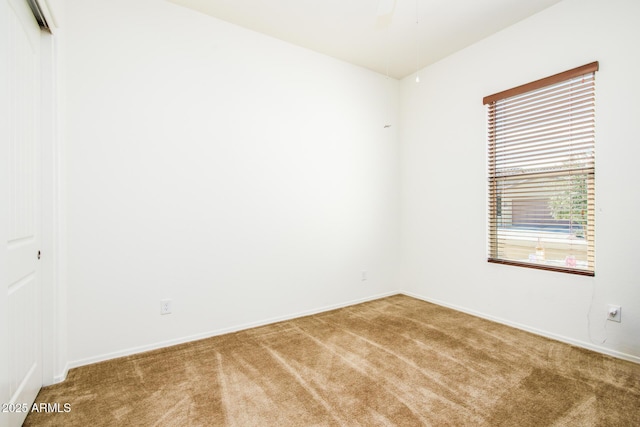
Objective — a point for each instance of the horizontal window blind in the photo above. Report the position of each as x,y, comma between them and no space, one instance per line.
542,173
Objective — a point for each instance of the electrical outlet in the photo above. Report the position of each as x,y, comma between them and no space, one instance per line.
614,313
165,306
363,275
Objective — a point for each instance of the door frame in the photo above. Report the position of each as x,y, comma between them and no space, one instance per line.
53,271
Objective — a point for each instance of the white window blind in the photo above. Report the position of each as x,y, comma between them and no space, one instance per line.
542,173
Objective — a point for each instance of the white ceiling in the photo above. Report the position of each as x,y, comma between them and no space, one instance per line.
381,35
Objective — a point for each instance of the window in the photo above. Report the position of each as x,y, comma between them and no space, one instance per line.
542,173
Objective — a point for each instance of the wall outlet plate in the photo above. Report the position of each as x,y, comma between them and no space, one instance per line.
165,306
614,313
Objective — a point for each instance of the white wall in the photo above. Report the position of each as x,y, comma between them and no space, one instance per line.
244,178
250,180
443,216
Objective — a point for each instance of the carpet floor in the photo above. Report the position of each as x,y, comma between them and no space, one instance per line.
393,361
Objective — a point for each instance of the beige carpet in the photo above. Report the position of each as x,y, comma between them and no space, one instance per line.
394,361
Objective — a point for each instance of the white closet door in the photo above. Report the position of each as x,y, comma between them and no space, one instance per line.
21,110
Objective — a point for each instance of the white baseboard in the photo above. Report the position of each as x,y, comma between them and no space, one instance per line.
63,375
196,337
577,343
